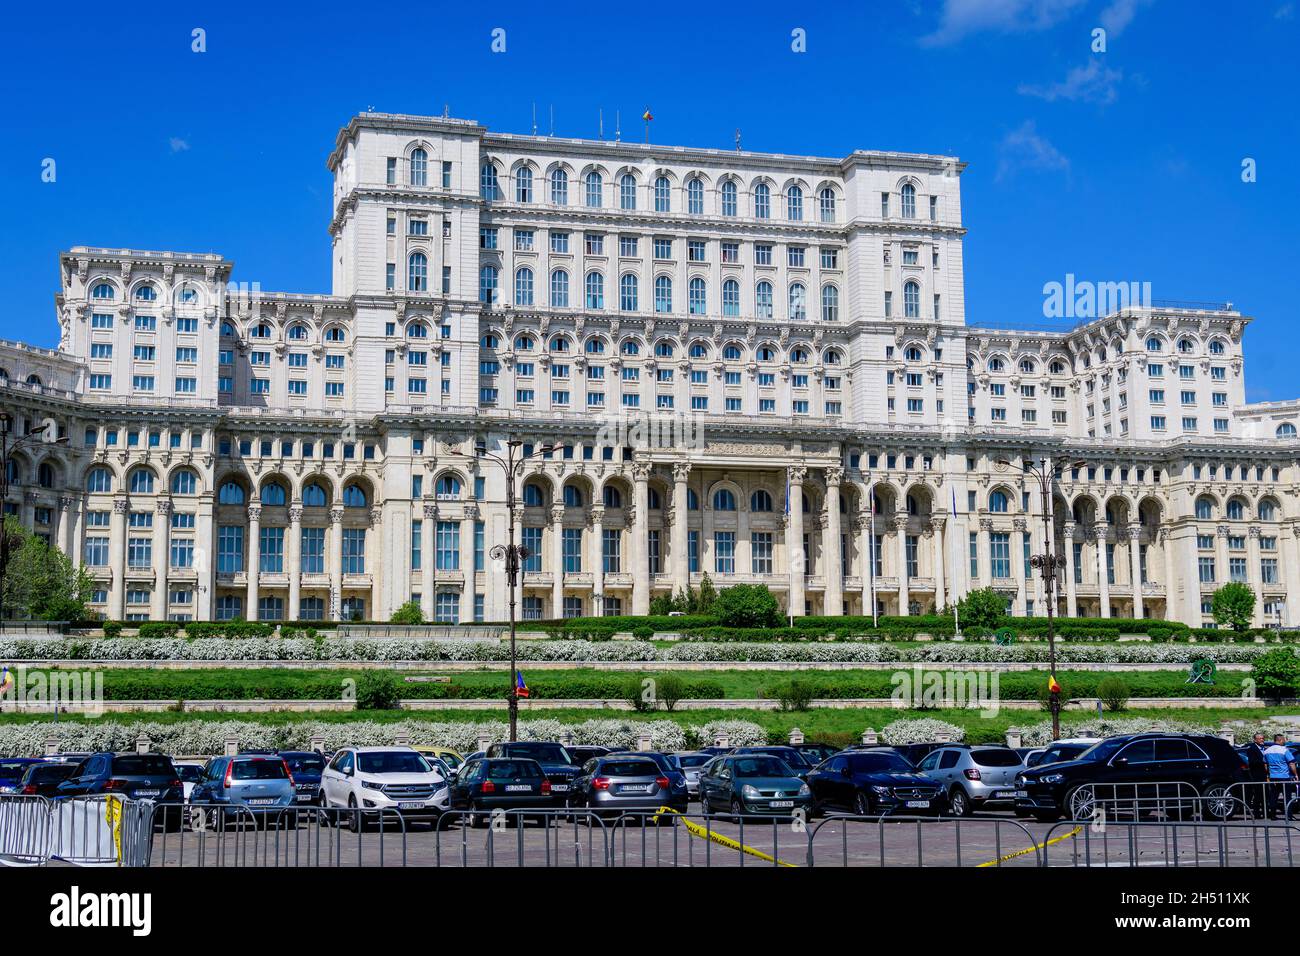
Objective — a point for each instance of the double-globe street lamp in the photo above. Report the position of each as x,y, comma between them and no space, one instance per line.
511,555
6,448
1049,564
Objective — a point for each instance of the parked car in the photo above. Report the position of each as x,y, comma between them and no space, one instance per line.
487,784
668,766
190,774
580,755
974,776
305,766
236,789
386,779
1207,764
752,784
560,770
692,764
451,758
816,753
792,758
716,751
627,781
138,776
42,778
1061,750
870,782
12,770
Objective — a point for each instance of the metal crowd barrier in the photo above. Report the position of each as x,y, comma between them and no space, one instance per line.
923,841
1170,799
101,830
1134,843
1272,799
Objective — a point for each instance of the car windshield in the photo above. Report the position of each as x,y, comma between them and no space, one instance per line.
996,757
1063,752
392,761
304,763
1104,750
514,770
761,765
693,760
50,772
629,768
791,757
546,753
271,768
189,773
13,769
143,765
879,763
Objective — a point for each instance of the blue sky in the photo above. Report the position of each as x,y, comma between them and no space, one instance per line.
1117,166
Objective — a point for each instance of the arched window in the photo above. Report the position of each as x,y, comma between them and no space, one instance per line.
724,500
523,184
141,482
572,496
699,350
663,294
419,167
627,293
1186,346
595,287
146,293
912,300
1154,344
354,496
1216,347
1057,367
908,194
762,201
831,357
1267,510
1027,366
559,187
594,347
447,488
799,355
487,284
1285,430
729,198
697,296
794,204
630,348
830,303
260,331
996,364
826,204
103,291
798,301
913,353
765,353
336,335
417,330
763,300
533,497
490,341
313,496
627,191
998,502
1204,508
664,349
185,482
298,333
231,493
663,194
45,475
273,494
98,480
695,197
595,185
559,343
731,298
524,286
732,352
760,501
560,289
613,498
488,186
417,272
1236,510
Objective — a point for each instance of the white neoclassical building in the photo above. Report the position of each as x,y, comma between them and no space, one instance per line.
757,365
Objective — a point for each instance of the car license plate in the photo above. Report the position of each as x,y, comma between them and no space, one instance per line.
635,787
410,806
147,793
519,787
782,803
303,797
261,801
918,803
559,788
1007,794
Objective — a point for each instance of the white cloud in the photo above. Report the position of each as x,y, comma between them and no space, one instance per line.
1024,149
1093,83
961,18
1118,14
178,145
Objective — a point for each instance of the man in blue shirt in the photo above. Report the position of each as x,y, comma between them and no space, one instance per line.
1281,774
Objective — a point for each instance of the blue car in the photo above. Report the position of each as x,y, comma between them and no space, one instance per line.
560,770
871,782
12,770
305,766
237,789
137,776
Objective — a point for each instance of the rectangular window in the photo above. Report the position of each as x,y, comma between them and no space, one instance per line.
447,546
312,558
354,550
230,549
611,550
571,548
760,544
182,555
96,552
1000,554
654,554
724,552
270,548
531,538
417,533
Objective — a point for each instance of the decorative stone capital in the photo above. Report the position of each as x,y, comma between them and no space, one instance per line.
295,513
336,514
254,512
163,506
795,474
681,471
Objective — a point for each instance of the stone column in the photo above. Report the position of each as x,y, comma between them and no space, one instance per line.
681,550
557,561
1103,579
117,558
833,573
1253,576
1221,574
1289,545
1135,567
1071,591
161,558
900,530
796,560
62,537
983,554
336,562
597,551
467,560
1021,530
940,552
254,559
428,559
293,560
640,549
866,548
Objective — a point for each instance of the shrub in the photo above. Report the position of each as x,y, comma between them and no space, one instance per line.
794,695
377,690
1277,673
670,689
159,629
983,607
639,692
746,605
1113,692
112,628
643,633
1233,605
408,613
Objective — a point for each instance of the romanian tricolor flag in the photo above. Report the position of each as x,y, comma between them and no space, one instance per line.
6,681
1052,686
521,689
647,116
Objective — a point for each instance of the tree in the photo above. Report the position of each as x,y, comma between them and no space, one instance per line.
1234,606
41,583
1276,673
408,613
708,595
983,607
746,605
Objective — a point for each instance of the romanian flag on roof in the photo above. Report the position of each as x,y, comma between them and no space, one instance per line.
647,116
521,689
1052,685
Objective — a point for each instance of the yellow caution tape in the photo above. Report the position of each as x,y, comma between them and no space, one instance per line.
708,834
1037,846
113,817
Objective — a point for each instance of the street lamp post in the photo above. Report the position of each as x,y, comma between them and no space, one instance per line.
6,422
1049,565
511,555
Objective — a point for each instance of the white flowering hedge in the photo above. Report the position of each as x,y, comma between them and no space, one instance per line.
920,731
1134,653
209,736
1040,734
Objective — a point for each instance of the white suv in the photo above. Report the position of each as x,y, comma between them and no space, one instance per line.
393,779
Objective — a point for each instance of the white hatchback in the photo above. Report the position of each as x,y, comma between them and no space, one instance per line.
386,780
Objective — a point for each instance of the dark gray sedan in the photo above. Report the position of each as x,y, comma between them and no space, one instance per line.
617,784
753,784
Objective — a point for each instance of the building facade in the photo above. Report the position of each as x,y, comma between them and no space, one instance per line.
756,367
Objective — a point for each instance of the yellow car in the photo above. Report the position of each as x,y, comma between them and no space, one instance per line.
446,755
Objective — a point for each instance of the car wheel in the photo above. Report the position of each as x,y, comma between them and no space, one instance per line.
1081,803
959,802
862,804
737,808
354,815
1218,803
477,819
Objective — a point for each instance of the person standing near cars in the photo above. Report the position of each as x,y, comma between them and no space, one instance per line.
1281,774
1257,766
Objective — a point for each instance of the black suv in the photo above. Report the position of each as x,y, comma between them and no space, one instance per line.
1129,767
555,760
